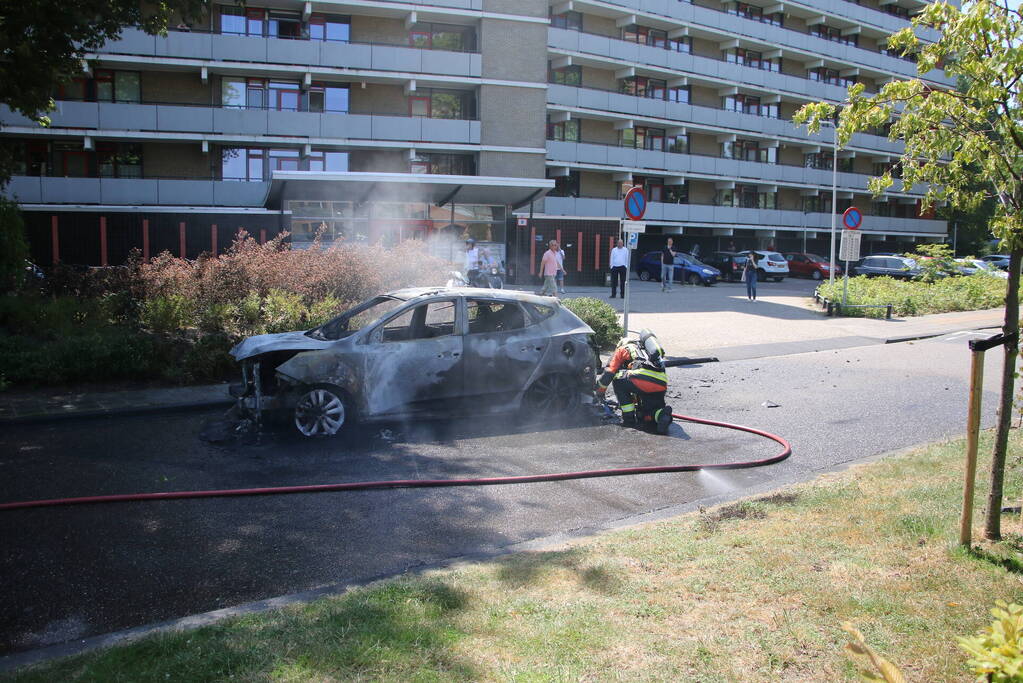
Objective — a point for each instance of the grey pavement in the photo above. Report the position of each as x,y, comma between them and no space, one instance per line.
692,321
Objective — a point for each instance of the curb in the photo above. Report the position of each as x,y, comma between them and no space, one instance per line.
116,412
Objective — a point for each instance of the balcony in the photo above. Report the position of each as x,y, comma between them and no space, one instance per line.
137,191
675,114
86,117
308,53
688,13
731,217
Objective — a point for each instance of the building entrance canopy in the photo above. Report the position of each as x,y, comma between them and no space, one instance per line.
404,187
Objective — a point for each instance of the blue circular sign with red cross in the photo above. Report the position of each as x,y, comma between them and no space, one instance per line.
852,218
635,203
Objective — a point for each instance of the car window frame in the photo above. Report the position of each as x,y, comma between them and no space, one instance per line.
375,335
527,316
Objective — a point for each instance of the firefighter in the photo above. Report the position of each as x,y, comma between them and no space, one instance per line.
636,371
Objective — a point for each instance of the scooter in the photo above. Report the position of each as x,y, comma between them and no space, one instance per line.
487,278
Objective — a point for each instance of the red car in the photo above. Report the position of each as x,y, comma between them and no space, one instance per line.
810,265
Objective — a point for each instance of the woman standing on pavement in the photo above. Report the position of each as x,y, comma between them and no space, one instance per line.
749,274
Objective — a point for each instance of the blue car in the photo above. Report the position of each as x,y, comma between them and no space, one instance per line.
687,269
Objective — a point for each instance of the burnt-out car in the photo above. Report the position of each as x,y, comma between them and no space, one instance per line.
420,352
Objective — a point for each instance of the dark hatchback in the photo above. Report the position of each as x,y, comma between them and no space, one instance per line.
898,267
729,264
687,269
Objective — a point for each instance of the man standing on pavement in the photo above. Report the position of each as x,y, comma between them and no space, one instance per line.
667,266
619,267
472,261
560,278
549,268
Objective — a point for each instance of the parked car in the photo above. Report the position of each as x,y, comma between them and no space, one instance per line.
967,266
770,264
729,264
810,265
417,352
687,269
998,260
899,267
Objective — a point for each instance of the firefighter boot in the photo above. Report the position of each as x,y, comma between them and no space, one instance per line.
629,415
664,420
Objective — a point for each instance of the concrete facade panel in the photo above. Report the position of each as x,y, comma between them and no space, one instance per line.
511,165
346,55
294,123
123,116
281,51
240,121
179,43
512,116
75,115
513,50
396,128
25,189
184,119
185,192
125,191
239,48
388,58
352,126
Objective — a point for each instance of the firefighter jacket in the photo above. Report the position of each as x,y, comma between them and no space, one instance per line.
630,361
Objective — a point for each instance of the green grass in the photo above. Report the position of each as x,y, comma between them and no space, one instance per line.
755,590
914,297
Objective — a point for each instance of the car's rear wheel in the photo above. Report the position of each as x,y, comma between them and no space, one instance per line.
551,395
816,274
644,275
322,410
694,279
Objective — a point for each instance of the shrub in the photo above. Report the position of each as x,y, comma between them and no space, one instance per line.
600,316
13,246
996,652
915,297
166,314
208,359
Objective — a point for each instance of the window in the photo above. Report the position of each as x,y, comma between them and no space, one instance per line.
818,204
444,164
749,150
834,34
746,197
566,75
282,24
742,9
284,95
645,36
681,44
641,86
643,137
565,186
327,97
322,160
442,104
679,93
232,19
330,27
255,93
897,11
442,37
564,131
488,317
572,21
119,160
749,104
679,144
104,86
826,75
426,321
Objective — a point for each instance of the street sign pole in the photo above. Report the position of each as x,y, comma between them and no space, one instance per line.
635,207
628,285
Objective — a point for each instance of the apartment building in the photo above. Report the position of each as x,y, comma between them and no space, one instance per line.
513,121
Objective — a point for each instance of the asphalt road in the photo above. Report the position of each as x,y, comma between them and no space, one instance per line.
75,572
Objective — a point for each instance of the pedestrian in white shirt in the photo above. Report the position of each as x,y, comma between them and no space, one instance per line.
619,268
560,277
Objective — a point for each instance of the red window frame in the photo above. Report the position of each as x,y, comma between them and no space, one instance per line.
420,98
255,14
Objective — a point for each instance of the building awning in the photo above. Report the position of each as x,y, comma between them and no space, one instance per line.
404,187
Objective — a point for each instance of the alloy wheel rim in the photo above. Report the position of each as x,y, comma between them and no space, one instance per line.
319,413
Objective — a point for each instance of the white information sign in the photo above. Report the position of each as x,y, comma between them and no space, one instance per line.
633,227
849,249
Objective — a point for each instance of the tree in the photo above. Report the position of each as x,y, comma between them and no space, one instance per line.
43,43
966,143
13,247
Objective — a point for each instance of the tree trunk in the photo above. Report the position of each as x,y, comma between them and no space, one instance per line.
993,528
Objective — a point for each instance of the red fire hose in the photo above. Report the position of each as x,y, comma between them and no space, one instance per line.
424,483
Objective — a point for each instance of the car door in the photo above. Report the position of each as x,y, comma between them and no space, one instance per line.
415,361
502,349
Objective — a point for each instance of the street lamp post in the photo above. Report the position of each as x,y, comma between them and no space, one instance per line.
834,205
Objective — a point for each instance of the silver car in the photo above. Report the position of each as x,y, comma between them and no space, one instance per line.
420,352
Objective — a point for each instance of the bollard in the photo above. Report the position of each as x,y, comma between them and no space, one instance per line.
888,315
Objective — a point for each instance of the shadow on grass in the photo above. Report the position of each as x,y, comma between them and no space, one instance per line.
1011,561
525,569
396,631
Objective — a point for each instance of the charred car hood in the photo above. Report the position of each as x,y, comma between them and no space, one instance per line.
284,341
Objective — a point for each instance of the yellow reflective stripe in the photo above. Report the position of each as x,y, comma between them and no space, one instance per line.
652,374
628,407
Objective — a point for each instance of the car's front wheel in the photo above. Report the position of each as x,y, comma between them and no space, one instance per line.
322,410
644,275
816,274
694,279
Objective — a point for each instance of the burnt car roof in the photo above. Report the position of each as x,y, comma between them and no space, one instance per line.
417,292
